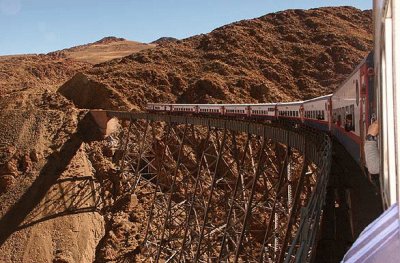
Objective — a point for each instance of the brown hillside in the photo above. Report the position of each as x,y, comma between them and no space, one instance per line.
295,54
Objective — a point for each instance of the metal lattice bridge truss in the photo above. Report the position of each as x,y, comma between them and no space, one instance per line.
217,190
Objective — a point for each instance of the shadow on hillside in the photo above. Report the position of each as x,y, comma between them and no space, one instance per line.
68,196
49,175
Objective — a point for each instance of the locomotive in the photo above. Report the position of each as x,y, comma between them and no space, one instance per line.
346,113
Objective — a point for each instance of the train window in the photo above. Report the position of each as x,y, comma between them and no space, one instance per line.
348,126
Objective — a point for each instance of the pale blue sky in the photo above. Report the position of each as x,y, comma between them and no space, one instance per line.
41,26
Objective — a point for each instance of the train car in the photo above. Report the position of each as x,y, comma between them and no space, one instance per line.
210,109
351,109
263,111
156,107
289,110
317,112
386,17
183,108
238,110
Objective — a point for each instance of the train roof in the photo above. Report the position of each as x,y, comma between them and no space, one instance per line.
213,105
290,103
319,98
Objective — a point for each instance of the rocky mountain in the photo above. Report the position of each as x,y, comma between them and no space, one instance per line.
294,54
46,157
163,40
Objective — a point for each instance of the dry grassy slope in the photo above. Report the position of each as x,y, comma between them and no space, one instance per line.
294,54
105,49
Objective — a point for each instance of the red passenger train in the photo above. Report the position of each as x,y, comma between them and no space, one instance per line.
346,113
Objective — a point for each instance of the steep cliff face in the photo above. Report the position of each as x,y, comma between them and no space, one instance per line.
294,54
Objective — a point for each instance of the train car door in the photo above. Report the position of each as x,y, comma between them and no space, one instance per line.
301,113
329,113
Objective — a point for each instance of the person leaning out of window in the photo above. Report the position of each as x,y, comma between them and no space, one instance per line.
372,159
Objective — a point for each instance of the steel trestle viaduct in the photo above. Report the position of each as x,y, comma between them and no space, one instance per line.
222,190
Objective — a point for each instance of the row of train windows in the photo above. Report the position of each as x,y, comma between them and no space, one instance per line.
209,110
259,112
183,109
289,113
235,111
315,114
344,117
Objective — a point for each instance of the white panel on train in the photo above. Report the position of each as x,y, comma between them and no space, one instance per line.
236,109
317,108
210,108
183,108
267,109
289,109
346,103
